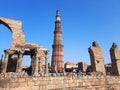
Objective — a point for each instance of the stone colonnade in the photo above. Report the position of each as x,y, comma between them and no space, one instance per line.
34,60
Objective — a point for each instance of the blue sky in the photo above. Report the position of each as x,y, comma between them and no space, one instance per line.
83,21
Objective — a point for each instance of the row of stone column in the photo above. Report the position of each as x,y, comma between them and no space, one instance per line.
35,63
19,62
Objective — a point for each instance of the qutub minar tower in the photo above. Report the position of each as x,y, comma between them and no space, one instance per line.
57,53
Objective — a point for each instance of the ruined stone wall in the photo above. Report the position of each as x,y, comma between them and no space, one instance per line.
96,57
15,26
61,83
115,59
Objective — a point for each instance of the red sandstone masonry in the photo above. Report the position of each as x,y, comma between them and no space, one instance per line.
15,27
61,83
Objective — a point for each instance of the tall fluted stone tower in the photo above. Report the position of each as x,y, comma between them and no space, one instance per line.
96,57
57,53
115,59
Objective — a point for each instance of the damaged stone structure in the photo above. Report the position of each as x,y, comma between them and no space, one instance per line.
97,60
39,63
115,59
96,57
13,55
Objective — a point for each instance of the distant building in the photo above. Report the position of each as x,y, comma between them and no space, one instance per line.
69,66
108,68
82,66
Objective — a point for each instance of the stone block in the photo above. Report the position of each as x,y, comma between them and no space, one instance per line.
30,83
14,85
23,84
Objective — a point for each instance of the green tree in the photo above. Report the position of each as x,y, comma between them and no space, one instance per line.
49,66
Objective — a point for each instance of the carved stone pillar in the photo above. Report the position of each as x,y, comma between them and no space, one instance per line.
5,61
35,72
32,63
19,62
46,62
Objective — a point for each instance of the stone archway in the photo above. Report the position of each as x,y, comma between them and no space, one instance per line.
5,39
14,55
15,26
